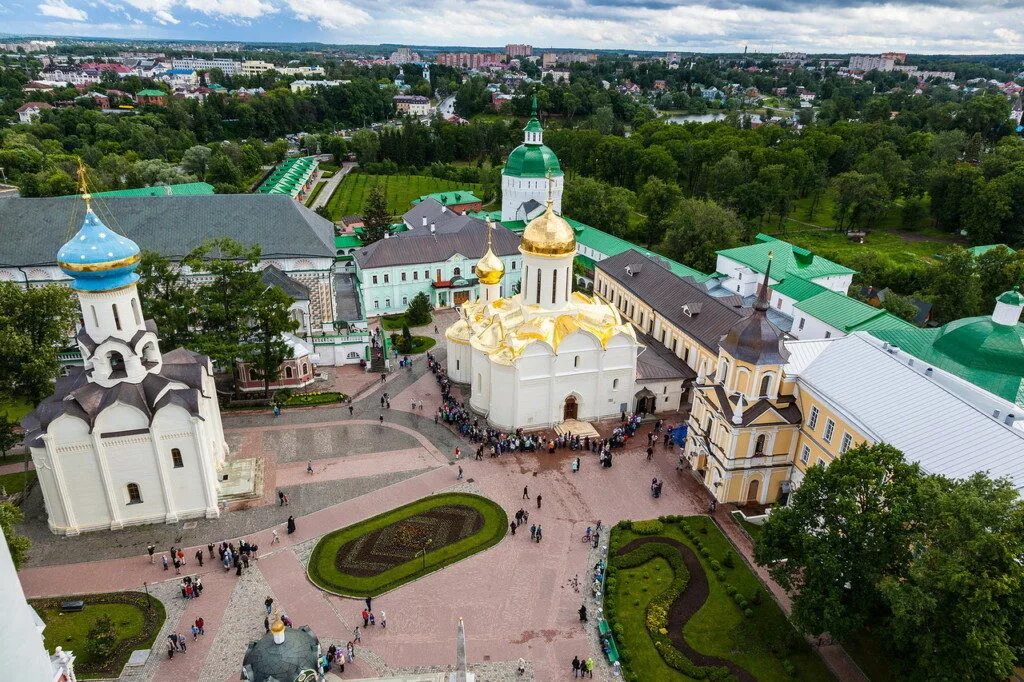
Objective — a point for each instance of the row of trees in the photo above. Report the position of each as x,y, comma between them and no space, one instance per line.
930,568
231,316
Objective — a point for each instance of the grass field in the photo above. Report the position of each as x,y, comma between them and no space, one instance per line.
394,323
324,573
350,196
136,628
15,408
315,193
887,238
420,344
14,482
719,628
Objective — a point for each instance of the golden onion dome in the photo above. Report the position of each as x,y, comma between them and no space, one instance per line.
548,235
489,269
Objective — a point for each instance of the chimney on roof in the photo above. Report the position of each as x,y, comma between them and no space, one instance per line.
444,208
432,228
387,235
1009,419
424,221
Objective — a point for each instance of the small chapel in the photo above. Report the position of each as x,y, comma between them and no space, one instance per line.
133,436
546,354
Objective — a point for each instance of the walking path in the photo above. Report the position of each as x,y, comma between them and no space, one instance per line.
332,184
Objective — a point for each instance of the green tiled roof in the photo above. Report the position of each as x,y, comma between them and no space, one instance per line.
347,241
151,92
185,189
842,312
456,196
607,244
1012,297
978,250
976,349
532,161
289,177
787,259
884,322
798,288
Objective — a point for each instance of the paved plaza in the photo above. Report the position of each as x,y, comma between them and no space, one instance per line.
517,598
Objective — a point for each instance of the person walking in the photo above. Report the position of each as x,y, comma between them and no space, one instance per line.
512,526
383,619
152,550
309,467
268,604
210,547
575,666
199,557
181,643
277,538
291,525
195,632
369,604
533,532
177,566
459,477
366,618
280,498
381,418
583,613
540,532
350,410
590,666
355,637
163,557
201,624
526,492
538,500
650,453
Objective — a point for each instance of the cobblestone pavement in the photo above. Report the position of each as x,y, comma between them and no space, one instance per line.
242,623
300,443
170,596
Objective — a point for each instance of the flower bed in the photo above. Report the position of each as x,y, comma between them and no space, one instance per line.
317,398
381,553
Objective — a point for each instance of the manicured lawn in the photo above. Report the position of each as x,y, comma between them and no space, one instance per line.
405,531
136,627
15,408
420,344
753,529
12,483
761,644
319,398
394,323
350,196
315,193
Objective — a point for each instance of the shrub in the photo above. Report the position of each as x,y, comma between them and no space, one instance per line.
728,561
749,613
703,529
317,398
756,597
789,668
730,590
715,566
720,574
652,527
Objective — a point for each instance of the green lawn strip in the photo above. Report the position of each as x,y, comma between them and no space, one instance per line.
137,628
399,190
635,593
12,483
320,398
323,573
421,344
15,408
393,323
759,644
315,193
752,529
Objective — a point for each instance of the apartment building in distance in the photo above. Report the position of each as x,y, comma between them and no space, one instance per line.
513,50
470,60
862,62
412,105
229,66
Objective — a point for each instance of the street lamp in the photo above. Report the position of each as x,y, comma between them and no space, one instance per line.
424,552
145,586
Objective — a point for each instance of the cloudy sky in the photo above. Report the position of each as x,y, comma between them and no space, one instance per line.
938,26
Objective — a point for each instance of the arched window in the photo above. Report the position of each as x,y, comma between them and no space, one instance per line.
479,382
288,373
766,384
723,371
116,361
554,285
538,287
759,444
352,355
456,272
117,318
176,458
305,368
576,361
134,494
135,311
615,384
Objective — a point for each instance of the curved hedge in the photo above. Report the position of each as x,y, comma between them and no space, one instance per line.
324,574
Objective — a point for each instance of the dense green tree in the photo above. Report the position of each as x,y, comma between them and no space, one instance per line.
999,270
35,327
955,611
657,200
599,204
11,516
697,229
9,437
196,159
900,307
848,526
167,299
954,286
418,312
376,218
264,348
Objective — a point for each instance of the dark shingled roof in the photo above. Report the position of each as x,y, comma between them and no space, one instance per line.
274,277
75,395
668,293
266,661
756,340
32,229
786,408
657,363
458,234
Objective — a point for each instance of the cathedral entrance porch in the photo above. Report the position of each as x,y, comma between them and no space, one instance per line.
571,408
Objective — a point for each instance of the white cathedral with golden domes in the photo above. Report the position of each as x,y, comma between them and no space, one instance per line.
546,354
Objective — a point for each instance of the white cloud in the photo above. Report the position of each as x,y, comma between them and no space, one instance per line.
233,9
62,10
329,14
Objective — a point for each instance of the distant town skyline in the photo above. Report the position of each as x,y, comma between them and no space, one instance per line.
952,26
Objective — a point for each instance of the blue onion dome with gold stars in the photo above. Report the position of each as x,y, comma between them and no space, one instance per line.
98,258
